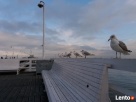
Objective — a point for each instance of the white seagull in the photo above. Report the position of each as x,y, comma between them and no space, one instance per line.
118,46
59,55
85,53
69,55
76,54
65,55
62,55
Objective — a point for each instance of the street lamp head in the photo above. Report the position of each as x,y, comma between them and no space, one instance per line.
41,4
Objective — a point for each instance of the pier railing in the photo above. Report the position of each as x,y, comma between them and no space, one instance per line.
29,64
118,64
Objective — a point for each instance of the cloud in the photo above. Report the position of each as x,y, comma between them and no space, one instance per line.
93,18
68,25
16,26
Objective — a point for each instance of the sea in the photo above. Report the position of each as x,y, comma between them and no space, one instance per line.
122,79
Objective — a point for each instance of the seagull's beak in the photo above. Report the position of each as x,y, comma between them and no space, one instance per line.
109,39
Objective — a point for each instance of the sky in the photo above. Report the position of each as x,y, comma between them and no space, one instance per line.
70,25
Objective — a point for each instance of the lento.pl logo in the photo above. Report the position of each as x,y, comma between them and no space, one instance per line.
131,98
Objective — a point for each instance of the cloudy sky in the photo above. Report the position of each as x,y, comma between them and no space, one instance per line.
70,25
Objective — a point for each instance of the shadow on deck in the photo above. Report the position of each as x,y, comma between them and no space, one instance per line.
26,87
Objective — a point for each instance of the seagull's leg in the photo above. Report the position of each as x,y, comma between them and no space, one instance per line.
116,54
85,56
120,54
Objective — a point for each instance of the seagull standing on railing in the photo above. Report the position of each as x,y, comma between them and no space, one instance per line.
62,55
59,55
76,54
118,46
85,53
65,55
69,55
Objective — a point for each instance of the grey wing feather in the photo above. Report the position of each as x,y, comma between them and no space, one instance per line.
87,53
123,46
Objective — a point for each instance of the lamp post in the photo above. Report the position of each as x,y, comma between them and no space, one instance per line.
41,5
13,51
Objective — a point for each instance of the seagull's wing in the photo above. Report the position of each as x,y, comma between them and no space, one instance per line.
87,53
83,53
123,46
78,54
92,54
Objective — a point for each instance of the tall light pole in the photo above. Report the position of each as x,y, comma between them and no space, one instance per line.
41,5
13,51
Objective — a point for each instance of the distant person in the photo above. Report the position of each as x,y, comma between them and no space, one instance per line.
1,57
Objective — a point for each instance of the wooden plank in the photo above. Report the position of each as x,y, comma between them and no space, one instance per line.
52,95
15,94
76,79
70,90
21,88
84,71
21,94
58,91
80,77
68,69
87,65
70,97
73,90
81,83
4,93
65,91
92,68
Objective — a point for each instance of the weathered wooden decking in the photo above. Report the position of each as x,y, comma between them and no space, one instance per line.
26,87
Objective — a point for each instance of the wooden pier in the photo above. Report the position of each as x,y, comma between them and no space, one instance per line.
26,87
29,87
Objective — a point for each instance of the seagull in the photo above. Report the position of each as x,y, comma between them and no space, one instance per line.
62,55
69,55
85,53
59,55
118,46
76,54
65,55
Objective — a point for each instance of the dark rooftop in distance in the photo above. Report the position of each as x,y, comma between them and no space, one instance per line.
26,87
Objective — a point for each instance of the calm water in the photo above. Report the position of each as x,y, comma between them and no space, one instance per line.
123,79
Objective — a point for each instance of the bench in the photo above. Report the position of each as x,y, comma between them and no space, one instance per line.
76,81
43,65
